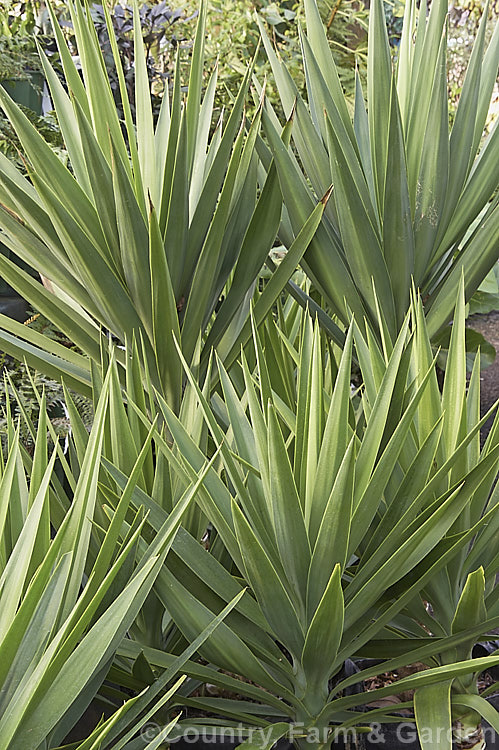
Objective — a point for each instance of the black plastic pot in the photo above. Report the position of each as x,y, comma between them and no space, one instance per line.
485,649
221,744
214,743
13,306
402,736
11,303
27,91
218,744
392,737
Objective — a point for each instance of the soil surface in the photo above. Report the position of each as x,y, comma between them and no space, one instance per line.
488,326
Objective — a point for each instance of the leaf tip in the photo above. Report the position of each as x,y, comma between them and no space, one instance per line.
327,196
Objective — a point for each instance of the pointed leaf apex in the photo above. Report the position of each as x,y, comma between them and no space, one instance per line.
327,196
293,111
262,94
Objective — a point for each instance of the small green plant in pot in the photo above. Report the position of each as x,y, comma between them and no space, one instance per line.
412,200
295,503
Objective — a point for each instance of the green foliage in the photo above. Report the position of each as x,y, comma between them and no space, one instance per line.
145,247
346,23
233,38
411,201
46,125
464,21
342,512
486,297
20,400
74,581
22,389
19,18
20,26
163,30
17,58
361,520
56,640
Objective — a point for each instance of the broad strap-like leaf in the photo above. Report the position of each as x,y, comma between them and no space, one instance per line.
323,636
331,547
398,237
433,716
379,75
289,523
268,588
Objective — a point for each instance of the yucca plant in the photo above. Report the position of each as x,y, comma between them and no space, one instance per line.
298,498
56,639
464,592
70,595
127,433
129,445
411,200
151,225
